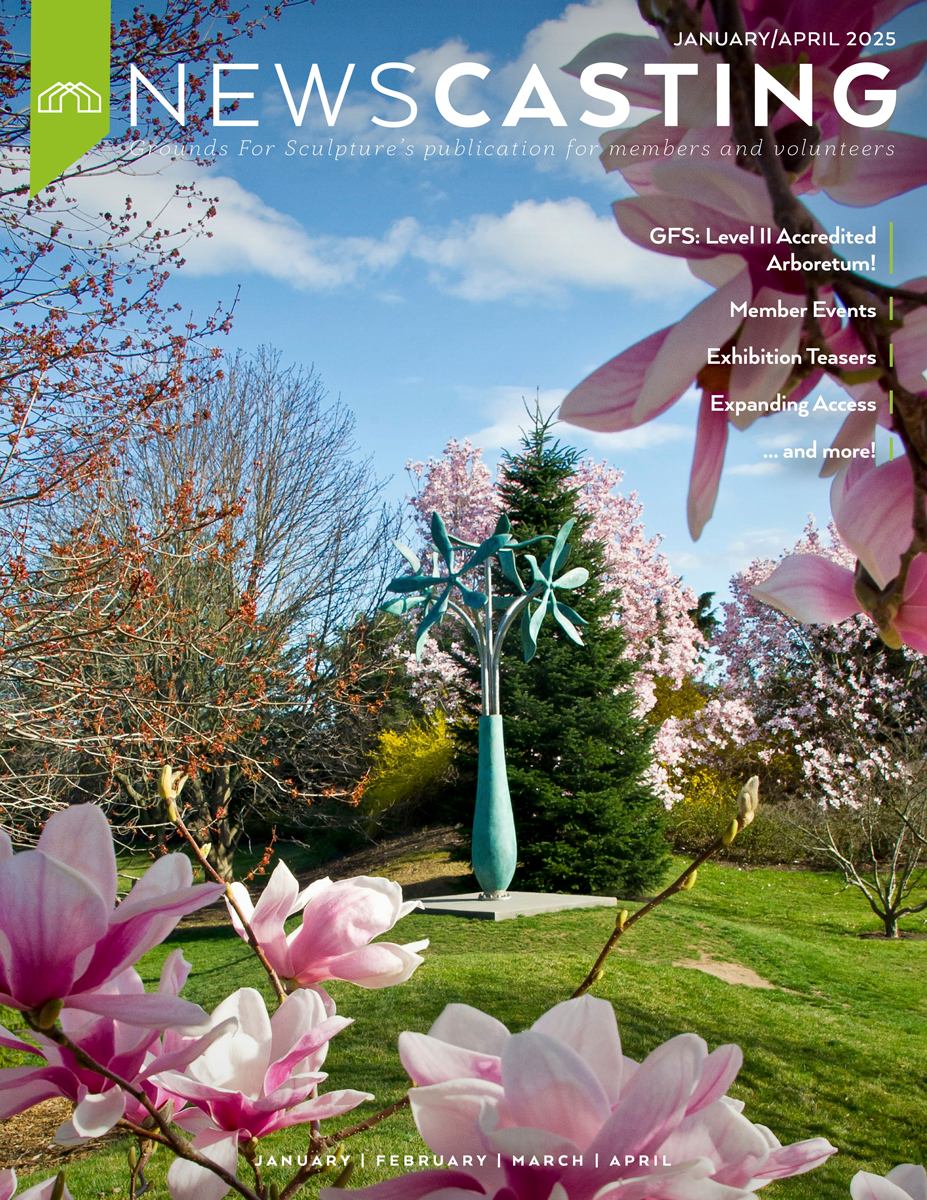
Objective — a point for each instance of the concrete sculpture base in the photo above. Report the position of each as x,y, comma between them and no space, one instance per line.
515,904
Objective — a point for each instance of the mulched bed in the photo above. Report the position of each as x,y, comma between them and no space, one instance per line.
423,874
27,1141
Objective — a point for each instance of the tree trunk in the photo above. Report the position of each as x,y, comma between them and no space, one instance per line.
890,921
222,851
213,792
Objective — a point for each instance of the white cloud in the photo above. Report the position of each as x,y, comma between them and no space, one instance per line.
760,468
508,410
537,250
246,234
644,437
549,45
555,42
506,407
758,543
542,248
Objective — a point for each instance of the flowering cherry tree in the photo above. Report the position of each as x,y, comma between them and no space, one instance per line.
654,606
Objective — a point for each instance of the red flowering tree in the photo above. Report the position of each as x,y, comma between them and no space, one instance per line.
221,572
94,356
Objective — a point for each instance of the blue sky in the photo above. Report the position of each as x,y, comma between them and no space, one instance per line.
432,294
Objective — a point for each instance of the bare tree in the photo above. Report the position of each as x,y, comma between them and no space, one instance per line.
234,558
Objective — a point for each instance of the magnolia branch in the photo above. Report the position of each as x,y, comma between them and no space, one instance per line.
169,787
318,1145
747,801
180,1146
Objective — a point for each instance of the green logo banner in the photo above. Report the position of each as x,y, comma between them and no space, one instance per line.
70,84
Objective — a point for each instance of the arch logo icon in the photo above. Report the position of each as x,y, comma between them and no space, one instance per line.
70,84
52,99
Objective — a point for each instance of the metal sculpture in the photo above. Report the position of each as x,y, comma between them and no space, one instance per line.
495,848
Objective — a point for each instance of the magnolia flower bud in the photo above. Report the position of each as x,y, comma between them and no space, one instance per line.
166,783
342,1180
170,785
689,881
891,637
882,604
622,918
747,801
730,833
133,1157
58,1190
48,1014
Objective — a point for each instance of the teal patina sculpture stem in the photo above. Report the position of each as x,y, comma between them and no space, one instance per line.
494,848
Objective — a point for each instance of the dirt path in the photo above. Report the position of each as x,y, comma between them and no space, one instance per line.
729,972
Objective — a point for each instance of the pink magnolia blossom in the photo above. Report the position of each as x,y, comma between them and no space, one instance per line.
565,1090
261,1075
853,166
62,935
909,350
339,921
38,1191
872,509
905,1182
128,1051
644,381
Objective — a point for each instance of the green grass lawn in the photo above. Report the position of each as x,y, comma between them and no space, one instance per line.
835,1048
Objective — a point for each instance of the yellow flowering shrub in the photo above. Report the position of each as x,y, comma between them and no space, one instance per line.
408,763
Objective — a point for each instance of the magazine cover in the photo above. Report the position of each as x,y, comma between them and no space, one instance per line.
463,600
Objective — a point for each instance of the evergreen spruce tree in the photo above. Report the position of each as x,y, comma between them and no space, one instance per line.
586,819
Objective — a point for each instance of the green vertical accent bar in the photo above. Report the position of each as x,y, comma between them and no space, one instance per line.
891,402
70,84
891,354
891,247
891,448
891,308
